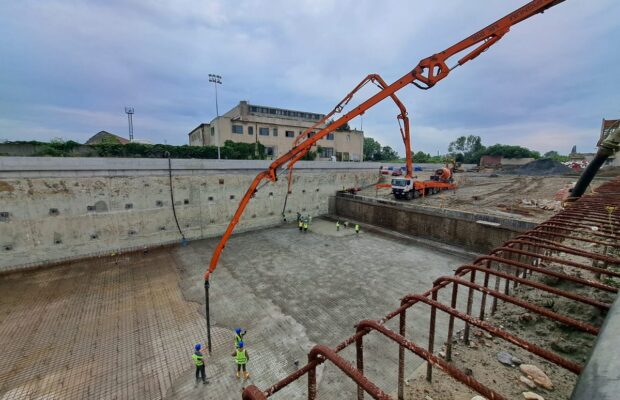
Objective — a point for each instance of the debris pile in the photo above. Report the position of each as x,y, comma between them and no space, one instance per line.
543,204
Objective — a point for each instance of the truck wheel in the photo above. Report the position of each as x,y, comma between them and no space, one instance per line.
410,195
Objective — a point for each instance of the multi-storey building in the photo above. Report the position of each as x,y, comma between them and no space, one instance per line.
276,129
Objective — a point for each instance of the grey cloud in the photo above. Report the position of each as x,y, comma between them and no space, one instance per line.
71,66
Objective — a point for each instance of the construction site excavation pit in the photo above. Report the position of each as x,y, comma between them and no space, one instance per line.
124,326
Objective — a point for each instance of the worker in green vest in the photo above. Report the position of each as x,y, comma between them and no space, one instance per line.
241,358
357,228
337,225
305,226
198,358
301,225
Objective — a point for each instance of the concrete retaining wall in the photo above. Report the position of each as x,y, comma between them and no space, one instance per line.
476,232
57,208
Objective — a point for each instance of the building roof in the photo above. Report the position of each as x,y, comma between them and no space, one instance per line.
198,127
107,137
283,112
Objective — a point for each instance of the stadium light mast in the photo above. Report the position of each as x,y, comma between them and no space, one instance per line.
217,80
129,111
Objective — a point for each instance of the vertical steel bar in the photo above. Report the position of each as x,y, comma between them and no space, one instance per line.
359,348
470,303
518,269
455,288
311,381
431,340
401,356
497,282
483,302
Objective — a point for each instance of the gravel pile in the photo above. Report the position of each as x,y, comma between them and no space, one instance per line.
542,167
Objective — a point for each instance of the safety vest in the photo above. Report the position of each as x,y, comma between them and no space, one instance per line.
357,228
305,225
241,357
238,339
198,359
337,224
301,224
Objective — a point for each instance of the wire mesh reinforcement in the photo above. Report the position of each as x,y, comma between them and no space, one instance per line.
578,245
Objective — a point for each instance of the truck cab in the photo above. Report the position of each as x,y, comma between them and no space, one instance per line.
403,188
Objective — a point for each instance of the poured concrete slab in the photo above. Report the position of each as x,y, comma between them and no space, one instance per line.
124,327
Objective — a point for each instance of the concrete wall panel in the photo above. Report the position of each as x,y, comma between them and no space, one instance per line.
71,208
448,226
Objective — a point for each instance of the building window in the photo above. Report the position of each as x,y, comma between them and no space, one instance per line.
263,131
269,151
348,138
237,129
328,152
212,131
275,132
330,136
250,130
289,134
311,134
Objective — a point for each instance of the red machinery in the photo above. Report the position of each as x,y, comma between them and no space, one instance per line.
425,75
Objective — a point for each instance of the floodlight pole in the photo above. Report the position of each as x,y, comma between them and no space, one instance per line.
129,111
217,80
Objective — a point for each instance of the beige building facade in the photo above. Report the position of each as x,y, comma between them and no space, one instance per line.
276,129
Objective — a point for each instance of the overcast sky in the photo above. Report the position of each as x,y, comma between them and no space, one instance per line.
68,67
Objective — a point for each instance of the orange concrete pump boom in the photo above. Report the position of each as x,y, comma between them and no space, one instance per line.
404,128
425,75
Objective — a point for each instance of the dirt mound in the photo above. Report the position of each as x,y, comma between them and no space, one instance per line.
542,167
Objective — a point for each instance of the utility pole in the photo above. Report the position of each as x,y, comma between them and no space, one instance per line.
217,80
129,112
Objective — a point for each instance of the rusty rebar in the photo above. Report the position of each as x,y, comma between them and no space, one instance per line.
430,358
566,225
539,351
321,353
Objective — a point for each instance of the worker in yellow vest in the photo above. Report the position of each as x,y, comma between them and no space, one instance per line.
241,359
301,225
305,226
357,228
198,358
337,225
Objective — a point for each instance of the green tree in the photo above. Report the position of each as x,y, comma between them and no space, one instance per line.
509,151
468,147
551,154
554,155
372,149
388,154
421,157
310,156
344,127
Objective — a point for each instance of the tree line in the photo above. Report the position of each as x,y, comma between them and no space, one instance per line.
465,149
60,148
373,151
